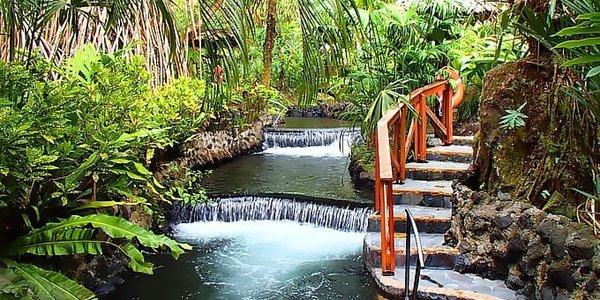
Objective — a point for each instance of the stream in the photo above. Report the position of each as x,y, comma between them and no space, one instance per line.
252,245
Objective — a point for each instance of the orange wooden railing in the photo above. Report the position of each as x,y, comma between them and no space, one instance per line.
392,148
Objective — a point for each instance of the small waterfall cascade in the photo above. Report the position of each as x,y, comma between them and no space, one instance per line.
283,138
275,209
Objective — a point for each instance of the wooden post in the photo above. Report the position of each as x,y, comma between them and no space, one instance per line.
377,176
421,130
448,114
388,253
402,150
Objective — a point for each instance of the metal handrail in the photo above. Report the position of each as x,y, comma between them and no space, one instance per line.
410,223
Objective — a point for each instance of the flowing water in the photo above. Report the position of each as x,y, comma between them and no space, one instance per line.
309,162
249,245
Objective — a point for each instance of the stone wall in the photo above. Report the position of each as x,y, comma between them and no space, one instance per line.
331,111
543,256
209,148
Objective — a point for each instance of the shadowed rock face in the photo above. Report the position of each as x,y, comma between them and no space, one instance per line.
539,254
209,148
550,153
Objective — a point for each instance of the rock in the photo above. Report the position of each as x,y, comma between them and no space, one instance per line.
553,231
561,275
536,249
514,282
332,111
581,244
531,218
503,221
516,162
544,256
504,196
212,147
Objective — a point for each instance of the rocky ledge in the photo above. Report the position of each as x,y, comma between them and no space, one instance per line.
332,111
213,147
543,256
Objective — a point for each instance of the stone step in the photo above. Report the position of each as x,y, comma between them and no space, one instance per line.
436,255
456,140
424,193
435,170
463,140
444,284
428,219
455,153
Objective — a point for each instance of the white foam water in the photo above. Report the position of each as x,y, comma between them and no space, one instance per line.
335,142
273,259
276,209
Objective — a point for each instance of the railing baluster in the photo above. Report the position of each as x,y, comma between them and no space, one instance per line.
421,136
376,170
401,152
447,115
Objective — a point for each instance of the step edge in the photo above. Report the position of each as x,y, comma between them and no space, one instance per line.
448,292
426,250
426,219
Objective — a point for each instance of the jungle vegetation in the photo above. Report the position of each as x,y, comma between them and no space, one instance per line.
94,94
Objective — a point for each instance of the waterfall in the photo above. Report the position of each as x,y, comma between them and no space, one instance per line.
308,137
275,209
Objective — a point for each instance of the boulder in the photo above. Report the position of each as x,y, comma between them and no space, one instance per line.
550,154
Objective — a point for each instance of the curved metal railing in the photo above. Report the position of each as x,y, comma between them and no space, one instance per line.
411,225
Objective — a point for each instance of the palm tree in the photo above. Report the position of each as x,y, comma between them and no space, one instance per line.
269,41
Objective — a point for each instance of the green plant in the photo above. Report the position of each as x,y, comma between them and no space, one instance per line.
514,118
75,235
364,155
81,144
184,185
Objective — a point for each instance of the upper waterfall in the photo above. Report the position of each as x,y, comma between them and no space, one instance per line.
310,142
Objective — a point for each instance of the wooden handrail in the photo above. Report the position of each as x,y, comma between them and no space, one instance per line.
390,162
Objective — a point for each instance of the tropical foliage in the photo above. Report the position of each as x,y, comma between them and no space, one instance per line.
94,94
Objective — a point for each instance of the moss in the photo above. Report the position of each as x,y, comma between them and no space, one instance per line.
551,153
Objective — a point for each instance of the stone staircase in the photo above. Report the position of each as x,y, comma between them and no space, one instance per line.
426,193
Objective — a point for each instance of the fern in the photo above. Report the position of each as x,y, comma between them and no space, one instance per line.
514,118
44,284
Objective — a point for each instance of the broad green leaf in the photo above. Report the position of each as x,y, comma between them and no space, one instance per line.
12,285
156,183
593,72
579,29
65,241
78,173
134,176
103,204
120,161
141,169
589,16
136,260
578,43
47,284
116,228
586,59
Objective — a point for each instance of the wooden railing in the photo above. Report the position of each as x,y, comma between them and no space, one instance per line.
393,140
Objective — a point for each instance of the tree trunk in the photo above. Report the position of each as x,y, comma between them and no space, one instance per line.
270,34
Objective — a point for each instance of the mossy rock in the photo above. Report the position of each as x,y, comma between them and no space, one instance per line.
544,157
